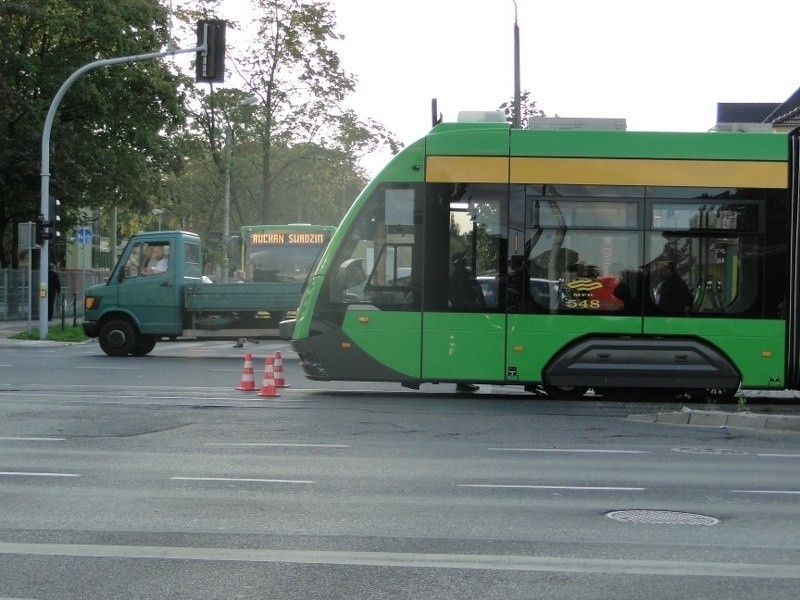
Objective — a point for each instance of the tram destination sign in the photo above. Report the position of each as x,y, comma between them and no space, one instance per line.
286,238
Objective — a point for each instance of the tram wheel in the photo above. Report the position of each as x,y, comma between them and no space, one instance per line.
722,395
620,394
565,392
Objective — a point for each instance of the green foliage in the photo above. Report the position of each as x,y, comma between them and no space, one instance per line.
110,143
527,106
55,334
291,66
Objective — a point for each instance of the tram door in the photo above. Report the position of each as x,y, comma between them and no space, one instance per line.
463,320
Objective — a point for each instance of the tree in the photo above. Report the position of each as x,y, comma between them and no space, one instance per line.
528,109
301,83
295,153
316,184
110,143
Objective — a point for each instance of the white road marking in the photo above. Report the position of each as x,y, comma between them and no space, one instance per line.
793,492
32,439
24,474
557,564
241,479
104,368
780,455
550,487
575,450
277,445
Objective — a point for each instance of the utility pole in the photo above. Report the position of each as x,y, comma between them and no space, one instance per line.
226,217
517,118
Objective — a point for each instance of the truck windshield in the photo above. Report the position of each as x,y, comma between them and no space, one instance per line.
281,263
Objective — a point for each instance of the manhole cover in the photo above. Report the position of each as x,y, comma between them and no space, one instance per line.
710,451
661,517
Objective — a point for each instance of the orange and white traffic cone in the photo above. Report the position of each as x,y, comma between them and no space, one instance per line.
268,385
248,383
280,377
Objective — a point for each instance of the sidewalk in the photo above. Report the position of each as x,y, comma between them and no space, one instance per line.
722,419
8,329
12,328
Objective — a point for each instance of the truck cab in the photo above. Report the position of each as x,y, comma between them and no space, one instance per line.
142,299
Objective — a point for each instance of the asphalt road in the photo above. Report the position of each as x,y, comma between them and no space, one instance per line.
154,477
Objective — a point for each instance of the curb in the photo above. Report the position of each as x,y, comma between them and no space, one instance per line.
723,420
9,342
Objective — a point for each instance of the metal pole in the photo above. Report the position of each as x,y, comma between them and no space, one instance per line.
113,236
226,217
517,118
30,287
157,212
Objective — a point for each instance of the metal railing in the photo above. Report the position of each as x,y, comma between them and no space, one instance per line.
19,298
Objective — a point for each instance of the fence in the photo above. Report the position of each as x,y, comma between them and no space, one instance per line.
19,293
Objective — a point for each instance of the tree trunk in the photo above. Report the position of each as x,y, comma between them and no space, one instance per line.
266,182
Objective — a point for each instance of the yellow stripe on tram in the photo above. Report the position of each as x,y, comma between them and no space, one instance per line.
607,171
467,169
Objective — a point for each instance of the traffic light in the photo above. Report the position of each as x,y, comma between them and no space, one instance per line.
210,64
42,233
54,218
48,230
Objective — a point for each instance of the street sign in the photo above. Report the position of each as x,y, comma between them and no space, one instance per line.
26,237
84,235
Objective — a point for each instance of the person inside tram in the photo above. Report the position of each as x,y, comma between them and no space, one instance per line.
464,292
349,280
674,296
519,294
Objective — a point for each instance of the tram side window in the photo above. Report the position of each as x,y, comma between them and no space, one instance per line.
704,254
582,250
378,263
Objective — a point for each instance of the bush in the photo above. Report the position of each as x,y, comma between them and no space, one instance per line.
55,334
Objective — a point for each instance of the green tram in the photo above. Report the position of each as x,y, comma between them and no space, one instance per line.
566,260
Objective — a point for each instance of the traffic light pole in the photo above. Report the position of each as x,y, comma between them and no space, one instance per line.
44,254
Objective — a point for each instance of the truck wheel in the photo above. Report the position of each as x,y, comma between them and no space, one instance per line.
144,345
117,338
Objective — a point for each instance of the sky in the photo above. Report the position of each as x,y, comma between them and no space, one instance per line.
662,66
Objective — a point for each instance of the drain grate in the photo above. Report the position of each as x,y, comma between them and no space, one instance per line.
661,517
710,451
